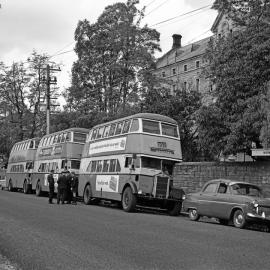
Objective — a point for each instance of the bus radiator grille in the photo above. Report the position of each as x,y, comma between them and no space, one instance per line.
161,188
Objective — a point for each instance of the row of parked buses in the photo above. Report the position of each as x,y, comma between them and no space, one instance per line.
129,160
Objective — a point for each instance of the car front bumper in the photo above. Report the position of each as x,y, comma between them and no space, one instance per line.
255,218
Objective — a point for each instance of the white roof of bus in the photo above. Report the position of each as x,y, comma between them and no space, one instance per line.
150,116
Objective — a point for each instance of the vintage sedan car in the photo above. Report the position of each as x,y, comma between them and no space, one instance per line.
229,201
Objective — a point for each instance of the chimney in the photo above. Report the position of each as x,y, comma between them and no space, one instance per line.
176,41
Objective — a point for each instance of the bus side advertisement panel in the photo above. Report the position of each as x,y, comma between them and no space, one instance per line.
108,183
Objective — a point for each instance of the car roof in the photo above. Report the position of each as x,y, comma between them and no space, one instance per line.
229,181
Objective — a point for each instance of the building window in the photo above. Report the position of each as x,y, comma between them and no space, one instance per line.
173,71
163,74
185,86
197,64
185,67
198,84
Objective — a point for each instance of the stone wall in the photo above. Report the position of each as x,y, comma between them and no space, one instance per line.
191,176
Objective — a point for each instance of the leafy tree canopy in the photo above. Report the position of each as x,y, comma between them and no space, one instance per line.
240,70
114,54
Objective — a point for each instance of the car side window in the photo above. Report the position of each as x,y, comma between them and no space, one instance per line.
211,188
222,188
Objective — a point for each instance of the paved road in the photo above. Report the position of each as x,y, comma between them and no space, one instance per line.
36,235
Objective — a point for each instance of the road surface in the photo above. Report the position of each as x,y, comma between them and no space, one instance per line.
36,235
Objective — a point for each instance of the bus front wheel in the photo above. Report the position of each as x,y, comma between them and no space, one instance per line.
87,195
129,200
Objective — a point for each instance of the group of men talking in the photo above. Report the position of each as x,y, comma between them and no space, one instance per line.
67,189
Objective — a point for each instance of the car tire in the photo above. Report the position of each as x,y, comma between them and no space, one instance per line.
193,214
239,220
129,200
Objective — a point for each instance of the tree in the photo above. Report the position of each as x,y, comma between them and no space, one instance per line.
240,70
181,106
114,54
22,93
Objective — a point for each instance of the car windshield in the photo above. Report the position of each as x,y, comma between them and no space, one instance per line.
246,189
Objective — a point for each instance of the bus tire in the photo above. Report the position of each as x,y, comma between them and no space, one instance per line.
87,194
10,187
129,200
174,208
38,189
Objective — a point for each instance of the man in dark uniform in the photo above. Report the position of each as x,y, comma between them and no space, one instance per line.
68,194
62,187
74,186
51,186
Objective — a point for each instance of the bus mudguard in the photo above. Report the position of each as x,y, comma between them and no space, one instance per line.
132,185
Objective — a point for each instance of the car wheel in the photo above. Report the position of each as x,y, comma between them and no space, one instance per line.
239,220
129,200
87,195
193,214
223,221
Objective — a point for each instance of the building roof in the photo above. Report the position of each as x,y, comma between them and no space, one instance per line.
186,52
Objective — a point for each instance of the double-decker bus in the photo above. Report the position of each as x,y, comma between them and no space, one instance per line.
131,160
57,151
20,165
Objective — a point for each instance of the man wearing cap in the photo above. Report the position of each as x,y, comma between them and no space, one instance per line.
62,187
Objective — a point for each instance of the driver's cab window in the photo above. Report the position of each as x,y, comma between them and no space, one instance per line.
211,188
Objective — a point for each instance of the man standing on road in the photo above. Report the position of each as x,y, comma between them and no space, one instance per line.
62,187
74,186
51,186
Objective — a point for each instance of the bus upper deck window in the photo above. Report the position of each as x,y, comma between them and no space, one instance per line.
59,138
119,128
55,138
68,137
100,132
112,130
106,131
63,139
134,125
94,133
169,130
126,126
151,127
79,137
31,145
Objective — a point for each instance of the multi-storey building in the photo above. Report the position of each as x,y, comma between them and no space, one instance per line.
182,66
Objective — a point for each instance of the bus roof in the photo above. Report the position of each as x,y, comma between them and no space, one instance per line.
150,116
27,140
76,129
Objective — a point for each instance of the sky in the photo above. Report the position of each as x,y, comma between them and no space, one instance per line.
48,26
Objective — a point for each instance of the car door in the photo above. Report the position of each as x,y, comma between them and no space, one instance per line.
224,201
207,200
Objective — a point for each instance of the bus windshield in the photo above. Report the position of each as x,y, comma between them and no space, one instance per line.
158,164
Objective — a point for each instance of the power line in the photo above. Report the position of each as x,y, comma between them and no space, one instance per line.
181,15
157,7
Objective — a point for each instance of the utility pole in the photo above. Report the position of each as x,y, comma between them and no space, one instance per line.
49,81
